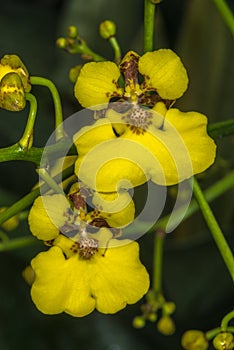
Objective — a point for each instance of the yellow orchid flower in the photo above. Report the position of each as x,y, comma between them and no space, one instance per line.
164,78
140,137
108,280
51,215
126,150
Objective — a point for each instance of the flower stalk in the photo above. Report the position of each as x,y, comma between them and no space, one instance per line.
214,228
149,14
27,138
226,14
158,260
59,131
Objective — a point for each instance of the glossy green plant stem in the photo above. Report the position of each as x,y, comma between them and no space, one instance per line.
213,192
34,154
59,131
149,17
158,260
19,205
221,129
27,200
26,140
214,228
17,243
226,320
43,173
117,51
226,14
210,194
213,332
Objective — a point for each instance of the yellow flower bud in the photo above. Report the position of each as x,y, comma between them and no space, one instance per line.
14,82
194,340
166,325
12,97
61,43
152,317
11,223
107,29
169,307
138,322
13,64
224,341
28,275
72,32
74,72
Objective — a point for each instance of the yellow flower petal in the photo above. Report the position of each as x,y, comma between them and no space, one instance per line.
61,285
89,136
113,165
122,279
164,71
181,148
109,281
192,126
97,83
105,162
117,208
47,215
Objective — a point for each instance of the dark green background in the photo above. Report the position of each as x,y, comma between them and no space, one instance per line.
194,275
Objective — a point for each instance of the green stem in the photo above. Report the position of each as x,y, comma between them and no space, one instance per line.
149,15
59,131
17,243
117,51
26,140
158,260
213,332
213,192
34,154
19,205
214,228
226,13
210,194
43,173
217,130
226,320
27,200
86,52
3,236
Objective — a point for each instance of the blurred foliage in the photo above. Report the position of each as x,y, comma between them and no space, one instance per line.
195,277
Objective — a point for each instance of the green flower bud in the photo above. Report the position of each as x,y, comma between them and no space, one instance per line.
224,341
107,29
12,96
11,223
194,340
74,72
166,325
72,32
138,322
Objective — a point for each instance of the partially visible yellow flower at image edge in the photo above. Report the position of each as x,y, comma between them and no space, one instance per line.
111,279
